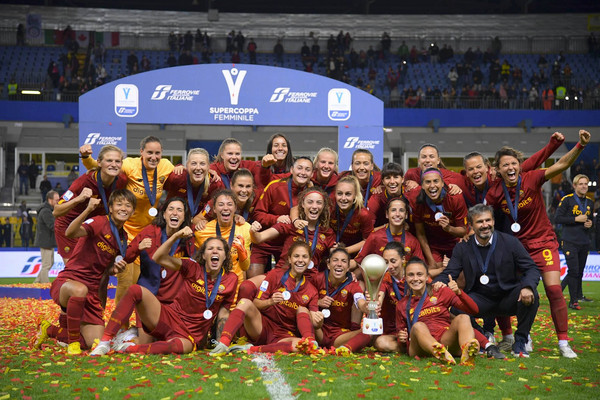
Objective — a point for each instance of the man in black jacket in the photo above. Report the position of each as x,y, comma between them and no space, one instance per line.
44,235
500,276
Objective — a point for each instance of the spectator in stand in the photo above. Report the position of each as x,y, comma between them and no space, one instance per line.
488,56
533,98
305,53
547,98
252,51
386,44
230,42
45,187
188,41
240,40
414,55
517,75
198,40
505,71
434,52
496,46
23,172
542,62
44,235
235,57
131,60
348,41
403,51
477,78
26,228
469,56
206,53
315,50
393,77
453,77
185,58
32,173
494,71
5,233
172,41
21,35
278,51
567,73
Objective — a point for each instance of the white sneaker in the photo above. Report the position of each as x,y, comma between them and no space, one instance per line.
120,347
124,336
529,344
219,350
490,337
240,348
102,349
567,352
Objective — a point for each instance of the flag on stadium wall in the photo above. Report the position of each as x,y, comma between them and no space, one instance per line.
34,26
53,36
83,38
108,39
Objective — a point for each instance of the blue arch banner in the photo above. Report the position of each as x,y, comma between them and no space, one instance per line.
225,94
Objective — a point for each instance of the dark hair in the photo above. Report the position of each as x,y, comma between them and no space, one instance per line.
472,155
240,173
365,151
339,249
391,169
160,221
441,164
122,194
324,217
200,253
478,209
51,194
422,195
417,260
392,199
149,139
299,243
397,246
289,158
296,159
507,151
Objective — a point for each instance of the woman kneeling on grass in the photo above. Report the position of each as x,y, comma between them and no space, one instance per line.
423,319
208,288
280,315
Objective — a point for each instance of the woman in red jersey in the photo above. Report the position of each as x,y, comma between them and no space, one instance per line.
364,169
325,169
280,315
390,293
207,292
423,319
392,177
99,252
230,160
95,183
518,195
279,156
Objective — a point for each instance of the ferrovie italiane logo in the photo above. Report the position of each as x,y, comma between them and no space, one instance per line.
32,267
283,94
96,138
234,79
354,142
166,92
339,104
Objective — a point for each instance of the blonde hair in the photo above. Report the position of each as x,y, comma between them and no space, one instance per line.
578,177
106,149
203,152
327,150
358,198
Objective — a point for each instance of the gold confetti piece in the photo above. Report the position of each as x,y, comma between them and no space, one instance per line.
322,394
522,380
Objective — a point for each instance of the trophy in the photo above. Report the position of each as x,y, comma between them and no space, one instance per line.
374,268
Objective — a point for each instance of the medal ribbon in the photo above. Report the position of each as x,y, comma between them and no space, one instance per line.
151,194
411,321
339,288
390,237
581,206
163,238
346,222
481,199
225,179
231,233
284,279
193,204
290,192
436,207
210,297
396,289
368,192
484,265
102,192
513,208
313,246
121,241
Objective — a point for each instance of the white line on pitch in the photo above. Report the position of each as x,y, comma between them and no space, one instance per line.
272,377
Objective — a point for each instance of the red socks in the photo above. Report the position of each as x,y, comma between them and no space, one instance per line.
504,325
358,342
75,309
122,312
247,290
285,347
483,341
233,324
558,310
174,346
305,325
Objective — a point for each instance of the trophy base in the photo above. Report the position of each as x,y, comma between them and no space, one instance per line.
372,326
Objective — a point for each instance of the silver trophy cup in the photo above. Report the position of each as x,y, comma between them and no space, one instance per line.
374,268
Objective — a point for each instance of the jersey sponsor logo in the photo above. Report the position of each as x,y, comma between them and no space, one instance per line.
68,195
88,221
108,236
104,247
337,303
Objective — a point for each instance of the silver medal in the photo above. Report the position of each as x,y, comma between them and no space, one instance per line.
311,265
153,212
163,273
438,216
484,279
515,227
118,258
286,295
207,314
326,312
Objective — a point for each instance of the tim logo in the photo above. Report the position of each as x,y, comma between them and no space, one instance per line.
91,138
161,92
126,100
32,267
279,95
234,86
339,104
351,142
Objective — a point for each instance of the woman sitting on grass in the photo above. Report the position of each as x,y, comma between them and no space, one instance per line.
423,319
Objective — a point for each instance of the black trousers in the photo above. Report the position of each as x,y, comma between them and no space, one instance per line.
506,304
576,256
